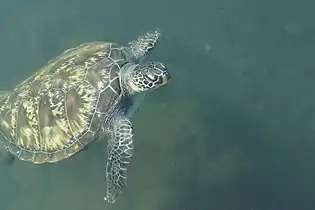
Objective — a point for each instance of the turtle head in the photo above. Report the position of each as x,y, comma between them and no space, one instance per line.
147,76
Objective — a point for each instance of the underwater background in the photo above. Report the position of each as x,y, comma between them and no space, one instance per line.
234,130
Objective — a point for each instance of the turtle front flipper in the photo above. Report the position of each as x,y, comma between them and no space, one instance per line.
140,47
119,150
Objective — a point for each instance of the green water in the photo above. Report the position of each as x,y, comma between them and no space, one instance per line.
234,130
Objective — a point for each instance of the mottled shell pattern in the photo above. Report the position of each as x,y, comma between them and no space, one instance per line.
59,110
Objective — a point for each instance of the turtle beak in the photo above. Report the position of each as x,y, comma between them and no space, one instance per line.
166,78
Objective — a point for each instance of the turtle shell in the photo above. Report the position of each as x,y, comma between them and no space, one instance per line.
60,109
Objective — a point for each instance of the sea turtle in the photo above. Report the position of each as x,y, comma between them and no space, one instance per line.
86,91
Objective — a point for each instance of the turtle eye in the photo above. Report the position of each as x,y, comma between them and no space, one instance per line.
151,77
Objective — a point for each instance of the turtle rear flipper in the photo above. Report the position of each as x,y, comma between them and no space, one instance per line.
3,93
6,158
